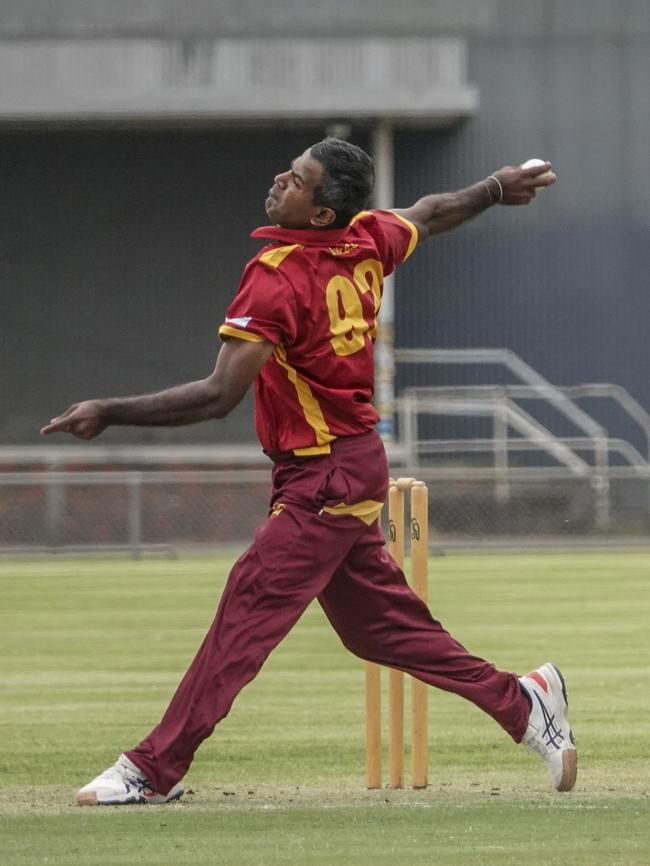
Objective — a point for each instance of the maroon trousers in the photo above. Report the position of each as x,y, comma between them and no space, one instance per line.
309,549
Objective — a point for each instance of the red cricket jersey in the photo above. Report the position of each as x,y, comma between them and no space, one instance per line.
316,295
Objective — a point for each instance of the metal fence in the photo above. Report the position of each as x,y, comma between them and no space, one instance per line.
137,510
523,459
529,506
144,511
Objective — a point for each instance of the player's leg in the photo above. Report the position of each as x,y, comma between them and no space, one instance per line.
379,618
292,558
267,591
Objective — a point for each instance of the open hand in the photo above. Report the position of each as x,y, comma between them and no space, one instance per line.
519,184
83,420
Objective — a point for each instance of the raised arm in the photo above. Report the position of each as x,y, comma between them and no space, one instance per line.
238,364
510,185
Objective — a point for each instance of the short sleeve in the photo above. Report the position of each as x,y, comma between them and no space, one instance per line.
395,237
264,308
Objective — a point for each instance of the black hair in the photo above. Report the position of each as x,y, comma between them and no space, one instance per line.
348,179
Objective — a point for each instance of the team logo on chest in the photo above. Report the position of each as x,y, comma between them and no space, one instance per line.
343,249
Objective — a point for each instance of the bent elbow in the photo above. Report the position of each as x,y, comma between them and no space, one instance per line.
220,410
223,404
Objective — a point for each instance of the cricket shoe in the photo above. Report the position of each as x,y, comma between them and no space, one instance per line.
548,732
121,785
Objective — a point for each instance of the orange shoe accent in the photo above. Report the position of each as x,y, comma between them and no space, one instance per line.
539,679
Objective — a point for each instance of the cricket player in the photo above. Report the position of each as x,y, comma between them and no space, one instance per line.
301,328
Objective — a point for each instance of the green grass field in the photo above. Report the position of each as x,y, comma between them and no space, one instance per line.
92,649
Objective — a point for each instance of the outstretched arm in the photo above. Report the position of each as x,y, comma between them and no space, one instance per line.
510,185
238,364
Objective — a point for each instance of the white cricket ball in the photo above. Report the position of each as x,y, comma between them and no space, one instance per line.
531,163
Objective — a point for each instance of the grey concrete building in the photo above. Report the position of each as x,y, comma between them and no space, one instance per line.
137,140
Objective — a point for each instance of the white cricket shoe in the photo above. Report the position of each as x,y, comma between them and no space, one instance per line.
548,732
121,785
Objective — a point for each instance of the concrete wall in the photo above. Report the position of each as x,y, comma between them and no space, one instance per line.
509,18
120,252
243,17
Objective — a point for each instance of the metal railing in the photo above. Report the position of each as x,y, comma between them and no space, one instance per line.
589,484
136,510
139,512
517,367
498,402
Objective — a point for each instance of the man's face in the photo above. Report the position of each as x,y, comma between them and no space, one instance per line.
290,200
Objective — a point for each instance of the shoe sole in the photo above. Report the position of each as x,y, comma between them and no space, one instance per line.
569,756
89,798
569,770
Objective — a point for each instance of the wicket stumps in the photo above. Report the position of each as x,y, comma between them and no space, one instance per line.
419,525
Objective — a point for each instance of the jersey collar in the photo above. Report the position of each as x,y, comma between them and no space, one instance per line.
306,237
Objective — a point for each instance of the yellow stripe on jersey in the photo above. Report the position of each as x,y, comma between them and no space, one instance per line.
360,215
314,451
227,331
274,258
310,407
368,510
414,234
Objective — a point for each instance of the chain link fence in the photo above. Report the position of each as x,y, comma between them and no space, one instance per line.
559,510
133,509
169,510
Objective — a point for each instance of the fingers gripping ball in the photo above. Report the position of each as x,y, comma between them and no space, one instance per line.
534,163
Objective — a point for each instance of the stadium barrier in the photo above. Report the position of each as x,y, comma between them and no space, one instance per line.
139,510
